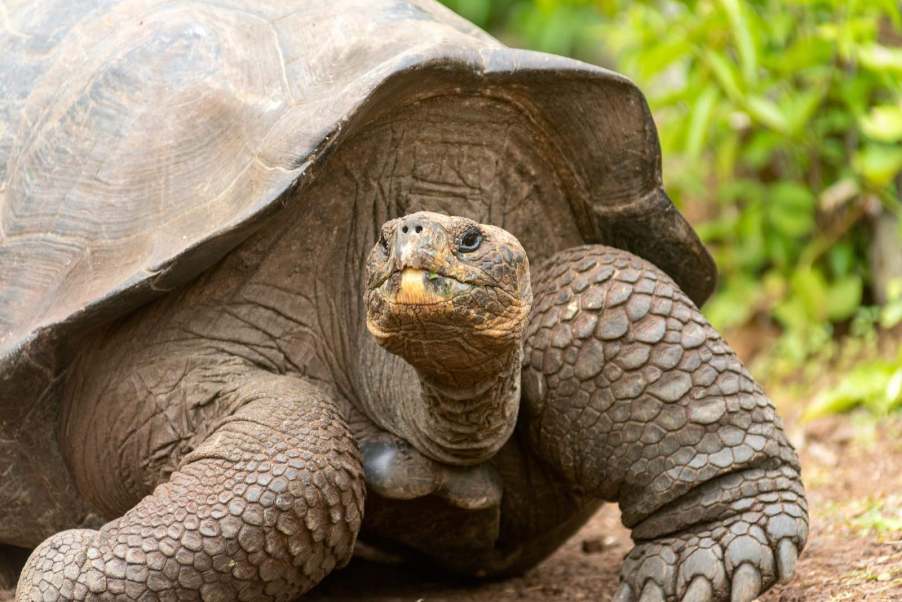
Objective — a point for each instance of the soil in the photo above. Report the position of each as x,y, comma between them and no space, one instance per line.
853,477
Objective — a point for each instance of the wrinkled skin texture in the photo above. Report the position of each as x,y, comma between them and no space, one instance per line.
451,297
264,507
257,492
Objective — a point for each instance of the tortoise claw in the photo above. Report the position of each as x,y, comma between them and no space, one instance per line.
700,590
746,583
787,555
624,594
652,592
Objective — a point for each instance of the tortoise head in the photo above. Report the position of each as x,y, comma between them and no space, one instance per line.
445,292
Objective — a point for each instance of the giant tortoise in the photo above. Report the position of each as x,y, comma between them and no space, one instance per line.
266,300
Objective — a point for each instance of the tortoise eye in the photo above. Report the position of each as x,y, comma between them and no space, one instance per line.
383,242
470,240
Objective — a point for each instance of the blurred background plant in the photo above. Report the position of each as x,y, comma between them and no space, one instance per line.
781,128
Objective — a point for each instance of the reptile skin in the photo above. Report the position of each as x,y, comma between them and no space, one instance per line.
509,403
264,508
635,398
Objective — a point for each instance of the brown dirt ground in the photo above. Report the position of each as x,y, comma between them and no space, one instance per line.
851,484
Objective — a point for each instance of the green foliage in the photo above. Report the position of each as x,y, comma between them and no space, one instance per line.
868,319
781,125
781,130
567,27
875,385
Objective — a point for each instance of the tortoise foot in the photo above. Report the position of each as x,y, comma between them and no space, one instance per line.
735,561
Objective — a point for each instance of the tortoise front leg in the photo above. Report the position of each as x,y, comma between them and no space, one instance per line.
633,397
263,509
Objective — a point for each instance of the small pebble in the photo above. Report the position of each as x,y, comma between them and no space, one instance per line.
596,545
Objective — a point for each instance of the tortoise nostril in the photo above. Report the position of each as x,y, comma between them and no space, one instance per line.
419,229
404,229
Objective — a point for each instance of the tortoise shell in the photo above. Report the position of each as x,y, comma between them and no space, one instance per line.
141,142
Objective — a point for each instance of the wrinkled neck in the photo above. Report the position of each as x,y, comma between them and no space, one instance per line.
464,417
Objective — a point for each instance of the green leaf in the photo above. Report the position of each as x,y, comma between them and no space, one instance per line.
883,123
809,286
892,398
749,242
891,314
760,148
892,9
801,108
790,209
832,403
742,36
875,384
724,73
782,250
867,384
881,58
726,152
661,56
878,163
768,113
841,259
476,11
792,316
843,298
805,52
734,304
699,121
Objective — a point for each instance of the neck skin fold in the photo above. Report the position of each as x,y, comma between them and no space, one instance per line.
464,418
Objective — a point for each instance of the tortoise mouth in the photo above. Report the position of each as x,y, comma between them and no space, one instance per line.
416,287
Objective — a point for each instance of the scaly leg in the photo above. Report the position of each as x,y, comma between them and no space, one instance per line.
263,509
633,397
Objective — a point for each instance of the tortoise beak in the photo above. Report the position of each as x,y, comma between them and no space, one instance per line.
413,291
421,245
420,287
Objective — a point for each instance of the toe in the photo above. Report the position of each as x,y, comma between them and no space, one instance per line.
704,562
652,592
700,590
746,584
787,555
751,548
624,594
